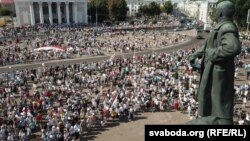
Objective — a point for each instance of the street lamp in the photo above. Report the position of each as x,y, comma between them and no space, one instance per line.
96,15
248,19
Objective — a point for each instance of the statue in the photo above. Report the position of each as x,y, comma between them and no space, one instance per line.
216,90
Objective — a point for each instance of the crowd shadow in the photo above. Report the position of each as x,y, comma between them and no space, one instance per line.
95,131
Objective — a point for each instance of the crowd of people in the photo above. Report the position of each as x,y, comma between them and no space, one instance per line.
66,101
76,41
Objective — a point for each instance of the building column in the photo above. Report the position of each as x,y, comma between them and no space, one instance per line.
41,12
85,13
50,13
59,12
75,12
67,12
32,15
18,12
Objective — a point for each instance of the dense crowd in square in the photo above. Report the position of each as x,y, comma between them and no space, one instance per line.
65,102
24,44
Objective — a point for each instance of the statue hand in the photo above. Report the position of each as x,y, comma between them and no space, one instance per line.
191,59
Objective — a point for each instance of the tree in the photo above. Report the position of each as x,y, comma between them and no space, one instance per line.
122,9
117,9
143,10
150,10
98,8
154,9
111,8
167,7
242,19
5,11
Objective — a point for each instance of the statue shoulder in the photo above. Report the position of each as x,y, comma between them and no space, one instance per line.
229,27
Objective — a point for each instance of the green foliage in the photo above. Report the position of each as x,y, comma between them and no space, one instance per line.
117,22
167,7
143,9
99,7
176,75
154,8
131,22
117,9
5,11
213,15
154,22
138,15
151,9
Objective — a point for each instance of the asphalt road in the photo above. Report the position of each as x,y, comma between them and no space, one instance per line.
88,59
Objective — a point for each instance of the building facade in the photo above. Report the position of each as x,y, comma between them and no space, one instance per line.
198,9
190,8
206,11
31,12
133,5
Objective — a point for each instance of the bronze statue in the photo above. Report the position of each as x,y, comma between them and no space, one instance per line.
216,91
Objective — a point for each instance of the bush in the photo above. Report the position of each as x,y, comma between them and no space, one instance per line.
9,21
5,12
138,15
132,22
117,22
145,21
154,22
108,23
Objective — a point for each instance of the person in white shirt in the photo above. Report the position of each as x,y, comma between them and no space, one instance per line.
241,122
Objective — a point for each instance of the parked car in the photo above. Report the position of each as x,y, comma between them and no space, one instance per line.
199,37
177,29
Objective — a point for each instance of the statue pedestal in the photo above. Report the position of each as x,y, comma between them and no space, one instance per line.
210,120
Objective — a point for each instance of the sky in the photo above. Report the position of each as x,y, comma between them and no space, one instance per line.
176,1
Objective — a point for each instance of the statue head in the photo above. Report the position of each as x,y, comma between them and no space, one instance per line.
225,9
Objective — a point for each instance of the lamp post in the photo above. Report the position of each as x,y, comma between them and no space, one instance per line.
96,15
248,19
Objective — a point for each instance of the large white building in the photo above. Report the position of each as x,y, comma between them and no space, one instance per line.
191,8
206,10
133,5
31,12
198,9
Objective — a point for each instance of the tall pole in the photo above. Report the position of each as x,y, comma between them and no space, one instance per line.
96,15
247,27
248,20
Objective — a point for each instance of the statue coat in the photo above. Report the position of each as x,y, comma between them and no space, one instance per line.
216,91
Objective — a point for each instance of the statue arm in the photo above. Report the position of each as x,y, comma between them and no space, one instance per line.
229,48
198,54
